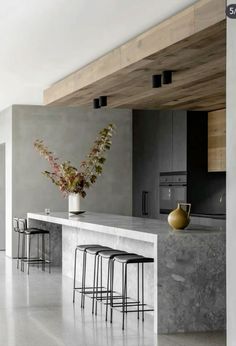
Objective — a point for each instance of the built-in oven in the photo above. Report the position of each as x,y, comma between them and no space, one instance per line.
173,189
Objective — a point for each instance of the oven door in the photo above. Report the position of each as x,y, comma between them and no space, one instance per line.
179,195
166,195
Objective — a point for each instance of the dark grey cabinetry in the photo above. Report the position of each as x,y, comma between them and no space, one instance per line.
179,141
159,145
172,141
145,161
165,141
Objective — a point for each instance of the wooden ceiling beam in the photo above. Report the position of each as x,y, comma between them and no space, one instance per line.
191,38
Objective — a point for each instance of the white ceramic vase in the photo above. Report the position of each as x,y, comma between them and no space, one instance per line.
74,202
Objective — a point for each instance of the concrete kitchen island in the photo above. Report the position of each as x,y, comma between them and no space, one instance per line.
186,283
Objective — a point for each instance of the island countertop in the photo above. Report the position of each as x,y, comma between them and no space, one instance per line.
133,227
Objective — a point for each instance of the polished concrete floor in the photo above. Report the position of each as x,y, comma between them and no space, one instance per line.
37,310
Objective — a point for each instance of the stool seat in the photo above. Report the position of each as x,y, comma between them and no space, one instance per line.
109,254
35,231
133,258
83,247
96,250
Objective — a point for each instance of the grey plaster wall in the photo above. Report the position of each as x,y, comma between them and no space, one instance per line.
69,132
231,180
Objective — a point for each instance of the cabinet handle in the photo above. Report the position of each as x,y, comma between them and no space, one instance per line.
145,203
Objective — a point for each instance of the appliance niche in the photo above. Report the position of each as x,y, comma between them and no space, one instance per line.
173,190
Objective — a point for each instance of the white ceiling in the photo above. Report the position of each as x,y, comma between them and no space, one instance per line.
41,41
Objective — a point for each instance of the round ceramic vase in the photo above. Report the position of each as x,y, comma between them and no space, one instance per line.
179,218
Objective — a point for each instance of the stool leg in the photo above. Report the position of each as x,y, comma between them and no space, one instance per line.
123,294
138,290
23,252
82,281
111,289
75,259
101,277
18,250
97,283
108,283
38,248
142,292
43,253
94,281
124,297
84,276
49,252
28,252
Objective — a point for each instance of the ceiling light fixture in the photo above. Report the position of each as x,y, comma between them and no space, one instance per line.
156,81
103,101
96,103
167,77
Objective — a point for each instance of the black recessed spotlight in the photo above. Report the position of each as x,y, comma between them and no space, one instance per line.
156,81
103,101
96,103
167,77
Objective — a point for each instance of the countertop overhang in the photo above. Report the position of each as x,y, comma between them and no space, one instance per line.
130,227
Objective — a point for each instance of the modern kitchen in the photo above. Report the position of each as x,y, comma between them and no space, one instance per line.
130,211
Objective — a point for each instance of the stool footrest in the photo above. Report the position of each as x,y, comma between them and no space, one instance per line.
115,305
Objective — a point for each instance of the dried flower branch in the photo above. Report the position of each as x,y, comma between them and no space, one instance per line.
67,177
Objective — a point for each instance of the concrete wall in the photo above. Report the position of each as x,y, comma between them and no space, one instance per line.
69,132
2,197
6,138
231,180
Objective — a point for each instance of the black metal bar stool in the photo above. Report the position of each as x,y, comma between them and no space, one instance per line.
108,255
27,234
125,260
92,249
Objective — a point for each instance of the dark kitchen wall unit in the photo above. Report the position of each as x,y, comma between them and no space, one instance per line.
173,141
145,163
159,145
206,190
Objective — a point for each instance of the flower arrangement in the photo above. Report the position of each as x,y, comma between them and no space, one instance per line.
68,178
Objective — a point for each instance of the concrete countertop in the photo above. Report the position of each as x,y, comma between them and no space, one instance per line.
128,226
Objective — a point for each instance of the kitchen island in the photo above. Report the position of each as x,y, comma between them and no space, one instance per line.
186,284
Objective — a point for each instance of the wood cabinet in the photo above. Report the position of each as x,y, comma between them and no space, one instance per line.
217,141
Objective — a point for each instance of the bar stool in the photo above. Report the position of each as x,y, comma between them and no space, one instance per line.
28,233
108,255
125,260
86,248
95,252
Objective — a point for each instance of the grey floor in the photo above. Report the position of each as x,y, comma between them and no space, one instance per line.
37,310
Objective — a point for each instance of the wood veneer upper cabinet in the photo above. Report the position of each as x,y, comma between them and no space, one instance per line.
217,141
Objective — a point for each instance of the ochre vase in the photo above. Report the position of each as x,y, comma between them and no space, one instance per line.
179,218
